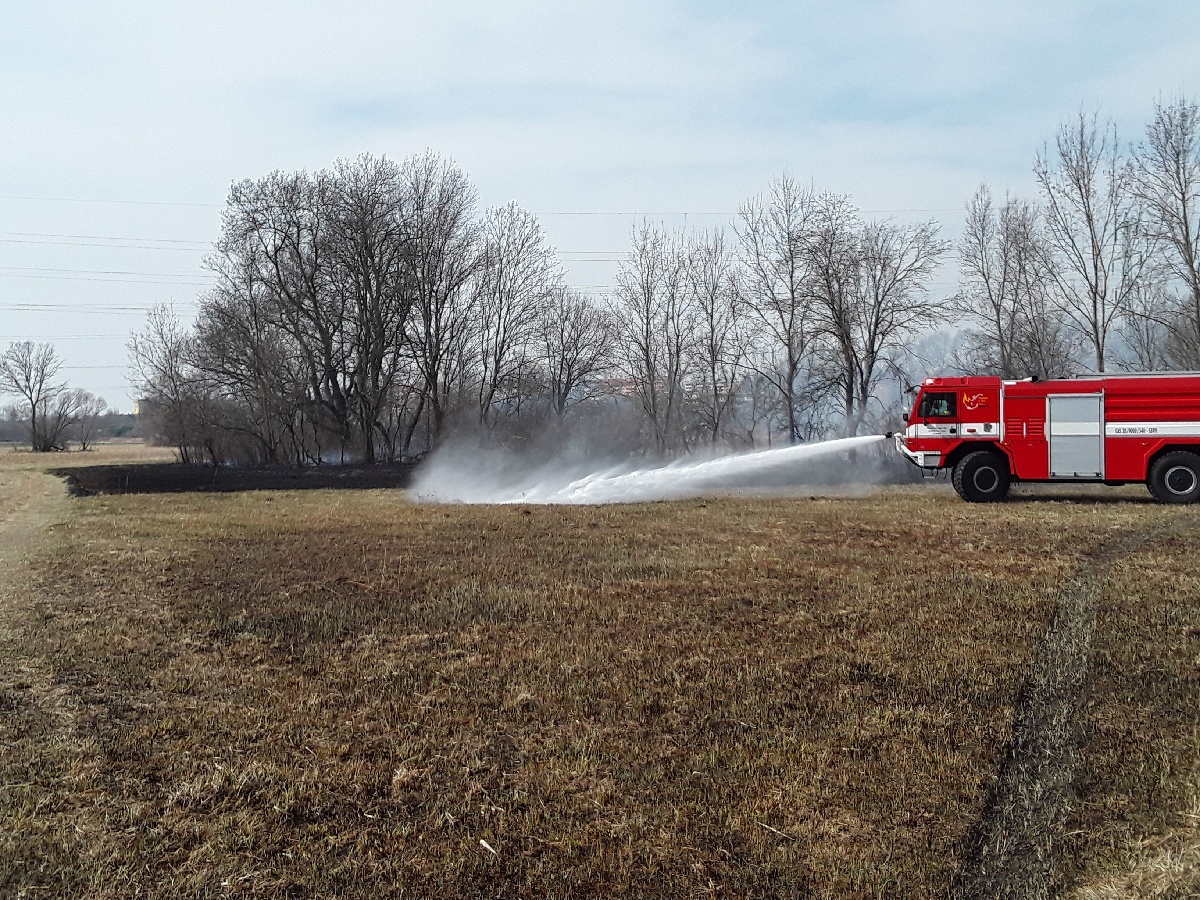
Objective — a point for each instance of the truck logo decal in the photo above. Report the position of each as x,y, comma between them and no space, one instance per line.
975,401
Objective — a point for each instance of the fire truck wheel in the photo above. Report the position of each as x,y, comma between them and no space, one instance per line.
981,477
1175,478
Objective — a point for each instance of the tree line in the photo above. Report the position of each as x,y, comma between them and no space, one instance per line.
49,414
364,311
1104,271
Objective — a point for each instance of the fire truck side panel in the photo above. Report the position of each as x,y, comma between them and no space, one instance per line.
979,410
1075,431
1041,435
1025,434
1146,415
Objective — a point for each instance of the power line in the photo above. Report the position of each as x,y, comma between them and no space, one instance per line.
101,237
646,214
111,202
107,280
730,215
40,269
917,209
65,337
183,203
82,307
106,246
201,247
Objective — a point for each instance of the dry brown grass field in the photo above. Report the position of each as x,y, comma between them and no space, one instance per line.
339,693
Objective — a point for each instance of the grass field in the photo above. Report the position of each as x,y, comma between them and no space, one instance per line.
321,693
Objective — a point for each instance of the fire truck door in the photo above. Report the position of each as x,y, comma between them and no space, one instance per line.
1075,429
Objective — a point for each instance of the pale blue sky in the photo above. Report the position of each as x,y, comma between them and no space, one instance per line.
655,108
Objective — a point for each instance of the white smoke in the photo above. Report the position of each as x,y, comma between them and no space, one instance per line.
450,477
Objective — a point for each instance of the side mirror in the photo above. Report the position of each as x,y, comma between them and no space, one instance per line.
904,416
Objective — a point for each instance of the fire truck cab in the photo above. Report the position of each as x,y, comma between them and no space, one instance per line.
1112,429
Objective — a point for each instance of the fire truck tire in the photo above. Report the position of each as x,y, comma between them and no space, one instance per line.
981,477
1175,477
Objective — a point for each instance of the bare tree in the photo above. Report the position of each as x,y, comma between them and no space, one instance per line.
1166,183
517,275
994,257
368,249
12,423
717,348
1007,287
62,415
343,314
163,378
892,304
831,252
30,371
440,259
1092,226
241,357
277,233
655,319
755,407
89,409
1151,343
575,346
772,232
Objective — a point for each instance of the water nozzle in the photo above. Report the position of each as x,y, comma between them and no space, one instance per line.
889,434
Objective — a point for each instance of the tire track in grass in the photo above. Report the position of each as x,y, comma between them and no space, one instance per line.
1013,852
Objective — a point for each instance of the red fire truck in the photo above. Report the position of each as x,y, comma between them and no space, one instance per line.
1111,429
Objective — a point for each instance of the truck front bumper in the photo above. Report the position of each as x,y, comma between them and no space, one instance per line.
926,459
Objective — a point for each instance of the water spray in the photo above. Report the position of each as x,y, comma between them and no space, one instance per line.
444,482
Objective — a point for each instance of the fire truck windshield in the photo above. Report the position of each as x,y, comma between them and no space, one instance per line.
938,405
